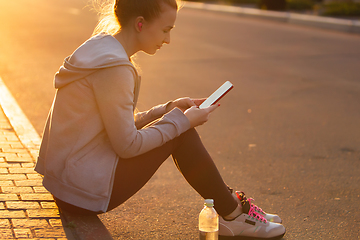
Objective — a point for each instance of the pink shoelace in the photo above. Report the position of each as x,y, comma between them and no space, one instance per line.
255,214
254,210
257,209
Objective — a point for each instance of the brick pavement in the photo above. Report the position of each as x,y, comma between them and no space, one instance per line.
27,210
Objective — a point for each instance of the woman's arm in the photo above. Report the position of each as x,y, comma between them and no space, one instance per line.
113,89
187,105
144,118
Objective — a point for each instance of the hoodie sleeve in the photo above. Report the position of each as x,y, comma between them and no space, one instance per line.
146,117
114,93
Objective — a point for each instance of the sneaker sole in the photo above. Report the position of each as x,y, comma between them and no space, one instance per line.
248,238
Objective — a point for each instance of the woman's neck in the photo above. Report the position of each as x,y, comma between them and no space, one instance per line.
128,41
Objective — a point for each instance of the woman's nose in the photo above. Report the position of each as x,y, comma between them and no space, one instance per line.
167,39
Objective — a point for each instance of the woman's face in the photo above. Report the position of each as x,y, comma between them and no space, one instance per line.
157,32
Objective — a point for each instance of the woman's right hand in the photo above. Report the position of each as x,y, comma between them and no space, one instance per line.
199,116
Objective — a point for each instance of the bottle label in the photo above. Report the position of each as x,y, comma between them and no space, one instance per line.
209,235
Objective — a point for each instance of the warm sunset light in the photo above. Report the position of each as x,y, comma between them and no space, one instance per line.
110,132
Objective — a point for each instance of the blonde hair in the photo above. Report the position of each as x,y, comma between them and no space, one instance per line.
116,13
107,19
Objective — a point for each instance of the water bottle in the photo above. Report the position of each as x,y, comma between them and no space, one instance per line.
208,221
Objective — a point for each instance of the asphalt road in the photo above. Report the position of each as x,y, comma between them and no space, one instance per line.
288,134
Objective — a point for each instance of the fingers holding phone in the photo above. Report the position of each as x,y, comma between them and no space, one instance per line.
198,101
199,116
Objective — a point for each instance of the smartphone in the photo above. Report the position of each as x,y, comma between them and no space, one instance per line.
219,93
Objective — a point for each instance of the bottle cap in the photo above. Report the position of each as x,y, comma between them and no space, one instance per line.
209,202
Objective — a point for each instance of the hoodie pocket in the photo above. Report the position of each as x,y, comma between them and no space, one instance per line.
93,171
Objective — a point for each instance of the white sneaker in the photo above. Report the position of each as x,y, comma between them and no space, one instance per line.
251,226
244,202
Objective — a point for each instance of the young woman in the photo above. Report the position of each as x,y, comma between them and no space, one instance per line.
96,153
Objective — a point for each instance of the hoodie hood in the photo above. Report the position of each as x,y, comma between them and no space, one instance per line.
100,51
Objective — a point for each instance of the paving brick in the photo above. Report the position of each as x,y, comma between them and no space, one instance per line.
40,190
34,176
8,155
28,165
48,213
29,223
6,183
4,223
8,197
4,170
36,196
9,165
3,143
2,139
10,132
19,159
12,214
49,232
15,158
28,183
2,159
22,205
5,125
11,137
23,154
9,149
6,234
22,170
48,205
7,132
56,222
17,189
2,207
19,176
48,239
23,233
17,145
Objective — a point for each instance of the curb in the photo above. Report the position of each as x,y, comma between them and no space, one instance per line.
22,126
75,226
342,25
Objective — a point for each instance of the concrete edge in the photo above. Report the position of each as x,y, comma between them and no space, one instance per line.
84,227
343,25
22,126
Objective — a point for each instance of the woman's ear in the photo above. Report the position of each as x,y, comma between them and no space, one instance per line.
139,23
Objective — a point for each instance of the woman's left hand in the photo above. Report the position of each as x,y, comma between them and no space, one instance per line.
184,103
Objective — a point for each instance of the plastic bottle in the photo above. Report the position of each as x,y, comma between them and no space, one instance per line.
208,221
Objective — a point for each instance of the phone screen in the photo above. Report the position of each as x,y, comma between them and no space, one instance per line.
217,95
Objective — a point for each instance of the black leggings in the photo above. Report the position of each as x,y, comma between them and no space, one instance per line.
191,159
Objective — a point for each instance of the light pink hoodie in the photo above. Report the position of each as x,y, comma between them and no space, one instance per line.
92,123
